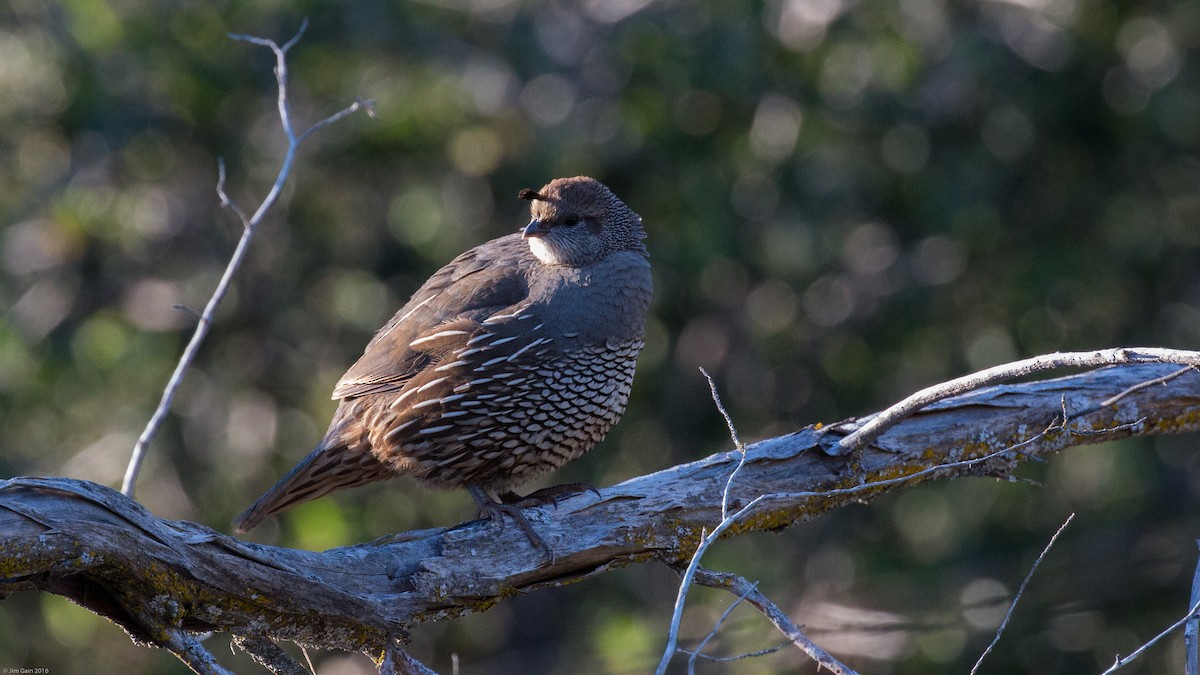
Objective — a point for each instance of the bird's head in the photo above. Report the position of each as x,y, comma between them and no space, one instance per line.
578,221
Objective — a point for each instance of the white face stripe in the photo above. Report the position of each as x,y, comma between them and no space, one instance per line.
542,251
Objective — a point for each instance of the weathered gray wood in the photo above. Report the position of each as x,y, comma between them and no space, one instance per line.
153,576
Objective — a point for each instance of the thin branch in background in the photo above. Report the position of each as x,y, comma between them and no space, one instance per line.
1103,357
716,627
235,261
1020,592
1122,662
1191,632
748,655
738,585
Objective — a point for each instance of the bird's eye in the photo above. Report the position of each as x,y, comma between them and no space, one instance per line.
570,221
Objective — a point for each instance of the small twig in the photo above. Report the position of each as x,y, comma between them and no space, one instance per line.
249,225
187,310
713,633
733,435
716,397
1104,357
1122,662
738,585
1020,592
226,202
1067,417
748,655
269,655
1148,383
1191,632
364,104
1108,430
192,653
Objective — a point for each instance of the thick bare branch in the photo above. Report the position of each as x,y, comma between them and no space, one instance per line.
108,553
881,422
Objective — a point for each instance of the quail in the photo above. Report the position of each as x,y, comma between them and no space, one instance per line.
513,359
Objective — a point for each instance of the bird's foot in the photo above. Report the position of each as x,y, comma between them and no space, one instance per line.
550,495
495,511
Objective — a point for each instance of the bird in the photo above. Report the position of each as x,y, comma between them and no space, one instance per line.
515,358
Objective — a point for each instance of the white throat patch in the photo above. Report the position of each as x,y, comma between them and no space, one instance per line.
542,251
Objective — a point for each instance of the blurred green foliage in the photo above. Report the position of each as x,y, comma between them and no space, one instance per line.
845,202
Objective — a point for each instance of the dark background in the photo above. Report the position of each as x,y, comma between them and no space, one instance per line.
845,202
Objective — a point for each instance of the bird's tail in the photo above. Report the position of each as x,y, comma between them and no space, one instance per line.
327,468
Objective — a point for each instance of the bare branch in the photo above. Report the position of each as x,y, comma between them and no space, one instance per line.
716,397
880,423
1020,592
1192,631
716,627
365,104
1148,383
187,310
740,657
738,585
109,554
249,225
733,435
1122,662
689,573
225,200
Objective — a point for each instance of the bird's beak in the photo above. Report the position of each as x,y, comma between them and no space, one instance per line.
534,229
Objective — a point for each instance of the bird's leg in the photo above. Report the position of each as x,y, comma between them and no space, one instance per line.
549,495
490,508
